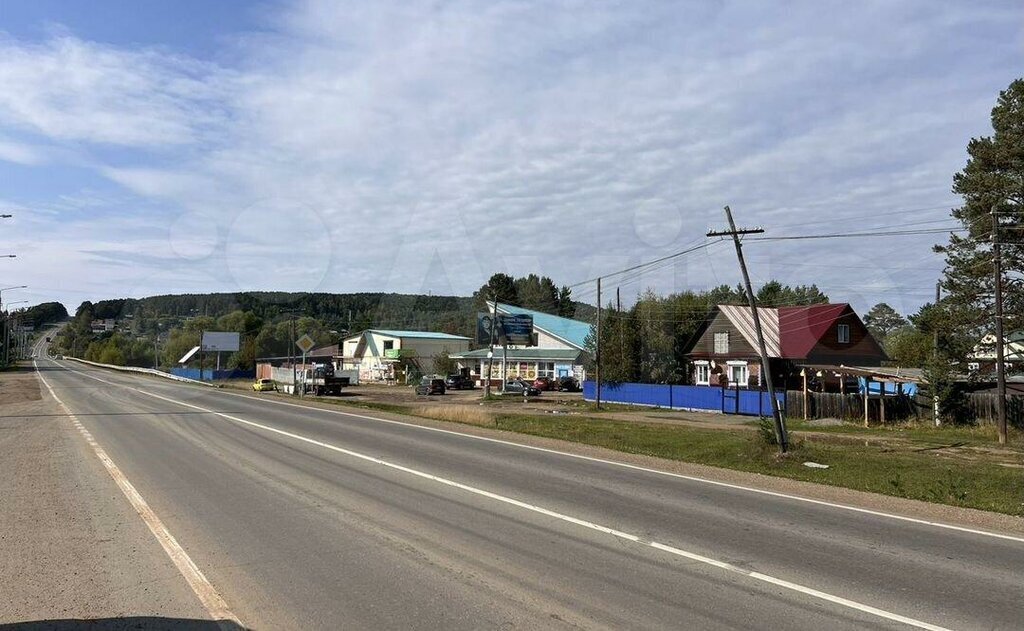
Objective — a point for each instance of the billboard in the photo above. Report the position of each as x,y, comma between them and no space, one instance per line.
511,329
220,341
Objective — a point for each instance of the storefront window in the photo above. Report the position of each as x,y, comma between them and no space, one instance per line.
545,369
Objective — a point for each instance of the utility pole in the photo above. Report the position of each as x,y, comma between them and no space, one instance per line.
291,359
200,354
935,357
1000,365
780,426
597,352
490,352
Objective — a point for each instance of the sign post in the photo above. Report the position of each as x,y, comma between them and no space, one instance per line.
305,344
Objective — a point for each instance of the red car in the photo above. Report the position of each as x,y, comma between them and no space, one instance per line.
545,383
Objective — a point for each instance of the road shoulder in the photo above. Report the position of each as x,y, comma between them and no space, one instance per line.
70,544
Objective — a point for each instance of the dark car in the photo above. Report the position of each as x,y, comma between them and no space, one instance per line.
429,386
459,382
516,387
568,384
545,383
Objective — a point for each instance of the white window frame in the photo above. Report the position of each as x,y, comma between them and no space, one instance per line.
546,369
843,334
729,366
699,368
724,337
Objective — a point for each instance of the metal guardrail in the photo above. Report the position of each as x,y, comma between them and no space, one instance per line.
143,371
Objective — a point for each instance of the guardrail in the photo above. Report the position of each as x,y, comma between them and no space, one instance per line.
143,371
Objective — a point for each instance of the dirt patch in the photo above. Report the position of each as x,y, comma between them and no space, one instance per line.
19,386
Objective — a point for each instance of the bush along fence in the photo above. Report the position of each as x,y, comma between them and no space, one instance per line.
699,398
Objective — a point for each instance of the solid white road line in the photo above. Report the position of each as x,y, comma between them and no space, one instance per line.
758,576
738,487
201,586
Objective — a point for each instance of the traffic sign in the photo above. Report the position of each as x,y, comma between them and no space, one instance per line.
305,343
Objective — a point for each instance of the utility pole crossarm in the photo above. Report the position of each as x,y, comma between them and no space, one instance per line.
734,232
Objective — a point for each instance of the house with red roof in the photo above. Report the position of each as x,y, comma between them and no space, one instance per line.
725,351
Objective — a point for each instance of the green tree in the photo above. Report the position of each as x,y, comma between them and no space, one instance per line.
444,364
499,286
882,320
991,182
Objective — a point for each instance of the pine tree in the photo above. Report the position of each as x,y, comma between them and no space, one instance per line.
991,182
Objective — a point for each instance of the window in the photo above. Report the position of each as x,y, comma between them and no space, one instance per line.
389,345
844,333
738,374
702,373
545,369
722,343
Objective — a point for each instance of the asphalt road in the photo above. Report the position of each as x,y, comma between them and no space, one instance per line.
307,518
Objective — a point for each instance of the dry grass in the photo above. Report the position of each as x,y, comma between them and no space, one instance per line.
472,415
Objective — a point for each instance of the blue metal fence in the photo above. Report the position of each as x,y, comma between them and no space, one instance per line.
214,375
705,398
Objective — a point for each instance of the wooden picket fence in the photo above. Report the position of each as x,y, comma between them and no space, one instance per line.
849,406
982,406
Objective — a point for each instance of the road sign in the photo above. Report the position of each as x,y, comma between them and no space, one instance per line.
305,343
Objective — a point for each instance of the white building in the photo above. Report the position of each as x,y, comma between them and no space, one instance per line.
382,355
560,350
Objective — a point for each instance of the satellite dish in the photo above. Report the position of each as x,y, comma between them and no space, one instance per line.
187,356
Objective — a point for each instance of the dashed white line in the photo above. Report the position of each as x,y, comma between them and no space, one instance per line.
757,576
210,598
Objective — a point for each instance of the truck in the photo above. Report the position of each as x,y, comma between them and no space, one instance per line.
321,380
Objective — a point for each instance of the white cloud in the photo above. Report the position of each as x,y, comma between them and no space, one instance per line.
531,137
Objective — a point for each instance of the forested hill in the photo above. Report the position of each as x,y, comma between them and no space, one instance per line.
352,312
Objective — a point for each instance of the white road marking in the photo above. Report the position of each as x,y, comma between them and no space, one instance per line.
758,576
201,586
625,465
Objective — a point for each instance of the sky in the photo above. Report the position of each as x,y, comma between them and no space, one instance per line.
414,147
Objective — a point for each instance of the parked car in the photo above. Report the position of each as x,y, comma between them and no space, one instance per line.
545,383
516,387
264,385
568,384
431,385
458,382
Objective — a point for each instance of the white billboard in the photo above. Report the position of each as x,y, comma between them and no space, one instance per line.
220,341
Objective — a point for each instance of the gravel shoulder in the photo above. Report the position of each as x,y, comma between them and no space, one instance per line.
71,545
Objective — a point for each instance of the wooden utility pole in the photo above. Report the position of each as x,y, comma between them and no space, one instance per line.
780,425
1000,365
597,352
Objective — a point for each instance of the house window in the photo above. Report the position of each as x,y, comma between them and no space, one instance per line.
844,333
738,374
722,343
545,369
702,373
389,345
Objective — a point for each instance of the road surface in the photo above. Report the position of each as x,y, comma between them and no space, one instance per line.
307,518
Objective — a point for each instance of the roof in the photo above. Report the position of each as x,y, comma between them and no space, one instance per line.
572,332
428,335
516,354
789,332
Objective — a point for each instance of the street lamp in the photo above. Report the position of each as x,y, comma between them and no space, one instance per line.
3,289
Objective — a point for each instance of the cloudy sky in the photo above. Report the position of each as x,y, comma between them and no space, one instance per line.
195,146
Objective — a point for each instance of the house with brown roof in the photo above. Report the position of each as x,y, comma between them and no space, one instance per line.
724,350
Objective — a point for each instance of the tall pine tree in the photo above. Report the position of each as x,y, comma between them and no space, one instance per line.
992,182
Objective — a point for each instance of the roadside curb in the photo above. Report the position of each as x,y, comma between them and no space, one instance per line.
143,371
